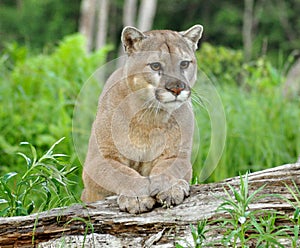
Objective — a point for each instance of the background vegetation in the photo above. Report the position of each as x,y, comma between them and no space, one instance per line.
44,63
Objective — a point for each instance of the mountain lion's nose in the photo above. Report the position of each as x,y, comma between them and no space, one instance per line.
175,87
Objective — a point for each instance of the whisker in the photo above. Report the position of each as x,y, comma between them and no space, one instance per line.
157,108
199,99
198,102
146,108
152,107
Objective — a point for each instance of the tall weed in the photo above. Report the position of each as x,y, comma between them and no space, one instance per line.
42,184
262,126
38,94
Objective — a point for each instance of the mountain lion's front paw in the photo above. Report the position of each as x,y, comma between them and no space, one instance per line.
136,205
174,195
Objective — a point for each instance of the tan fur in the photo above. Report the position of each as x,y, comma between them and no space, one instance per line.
141,139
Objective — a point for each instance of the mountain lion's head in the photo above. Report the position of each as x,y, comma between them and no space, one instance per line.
162,63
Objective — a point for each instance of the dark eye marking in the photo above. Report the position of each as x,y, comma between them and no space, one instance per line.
184,64
156,66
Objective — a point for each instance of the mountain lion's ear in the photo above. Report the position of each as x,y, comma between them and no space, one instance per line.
130,36
193,34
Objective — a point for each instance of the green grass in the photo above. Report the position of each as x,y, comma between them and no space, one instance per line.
241,227
262,131
263,128
38,95
43,185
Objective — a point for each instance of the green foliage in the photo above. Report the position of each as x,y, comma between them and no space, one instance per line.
267,234
198,235
262,125
39,94
48,23
296,229
295,219
242,227
275,23
236,204
43,184
220,62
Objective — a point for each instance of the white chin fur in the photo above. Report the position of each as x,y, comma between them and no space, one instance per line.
167,97
172,102
172,105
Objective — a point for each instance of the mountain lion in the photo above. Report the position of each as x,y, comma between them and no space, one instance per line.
141,140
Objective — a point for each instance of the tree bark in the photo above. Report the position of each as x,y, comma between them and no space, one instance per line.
146,14
87,21
129,16
291,87
248,28
102,23
106,226
282,10
129,13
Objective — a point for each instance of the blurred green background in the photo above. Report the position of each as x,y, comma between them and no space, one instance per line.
249,50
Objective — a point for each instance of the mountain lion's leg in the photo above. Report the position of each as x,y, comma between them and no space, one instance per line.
132,188
103,177
169,181
92,191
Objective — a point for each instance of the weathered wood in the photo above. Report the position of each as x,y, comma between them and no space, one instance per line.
159,228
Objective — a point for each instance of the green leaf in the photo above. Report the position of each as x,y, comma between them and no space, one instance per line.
256,225
3,201
59,181
24,143
297,214
237,195
296,231
59,155
8,176
5,212
20,210
27,159
50,151
194,233
30,207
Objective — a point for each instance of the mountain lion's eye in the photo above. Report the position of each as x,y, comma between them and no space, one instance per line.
184,64
156,66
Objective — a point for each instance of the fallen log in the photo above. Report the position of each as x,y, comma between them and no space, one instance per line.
101,224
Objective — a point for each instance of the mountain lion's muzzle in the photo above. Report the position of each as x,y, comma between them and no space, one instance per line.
172,90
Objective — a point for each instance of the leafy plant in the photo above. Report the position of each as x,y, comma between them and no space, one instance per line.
267,234
38,95
39,187
220,62
295,219
260,122
296,229
198,234
236,205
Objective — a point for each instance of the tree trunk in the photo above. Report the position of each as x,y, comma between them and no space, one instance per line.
87,21
282,10
106,226
292,84
19,4
248,28
146,14
103,7
129,13
129,16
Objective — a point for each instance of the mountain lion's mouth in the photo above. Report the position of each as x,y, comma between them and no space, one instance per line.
167,97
